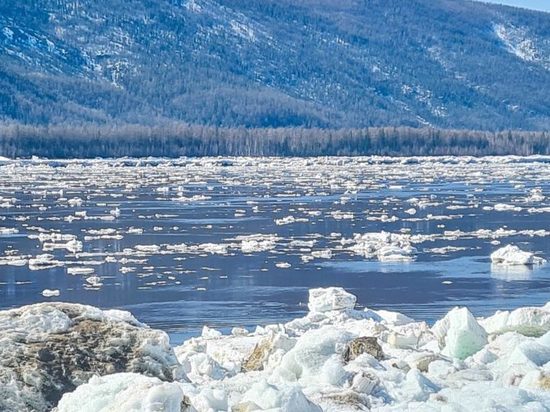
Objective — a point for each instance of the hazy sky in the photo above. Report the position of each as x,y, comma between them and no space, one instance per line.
529,4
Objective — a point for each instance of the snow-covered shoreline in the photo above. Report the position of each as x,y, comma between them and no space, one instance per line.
335,358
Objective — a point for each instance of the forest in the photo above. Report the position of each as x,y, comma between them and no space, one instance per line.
178,139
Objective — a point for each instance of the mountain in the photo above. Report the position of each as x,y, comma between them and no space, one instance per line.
274,63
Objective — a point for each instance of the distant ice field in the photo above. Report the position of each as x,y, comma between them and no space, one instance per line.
240,241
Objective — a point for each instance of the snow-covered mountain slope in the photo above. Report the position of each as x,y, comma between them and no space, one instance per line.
448,63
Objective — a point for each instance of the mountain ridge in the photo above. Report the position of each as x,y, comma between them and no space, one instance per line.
266,63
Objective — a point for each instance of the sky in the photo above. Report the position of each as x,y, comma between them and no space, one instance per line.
543,5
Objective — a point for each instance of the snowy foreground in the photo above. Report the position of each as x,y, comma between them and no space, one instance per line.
334,359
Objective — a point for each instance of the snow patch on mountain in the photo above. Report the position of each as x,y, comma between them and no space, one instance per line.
519,42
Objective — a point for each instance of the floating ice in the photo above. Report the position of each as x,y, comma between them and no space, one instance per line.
340,215
147,248
72,246
386,247
513,255
331,299
502,207
322,254
43,261
94,281
257,243
13,260
285,220
301,188
50,293
75,202
80,271
535,195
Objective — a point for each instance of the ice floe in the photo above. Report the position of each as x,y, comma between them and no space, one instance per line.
48,293
257,243
386,247
85,197
512,255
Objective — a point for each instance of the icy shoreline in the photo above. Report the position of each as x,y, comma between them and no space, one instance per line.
335,358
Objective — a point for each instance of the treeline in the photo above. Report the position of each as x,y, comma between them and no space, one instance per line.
180,139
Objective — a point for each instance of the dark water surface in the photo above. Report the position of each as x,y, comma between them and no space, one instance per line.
208,201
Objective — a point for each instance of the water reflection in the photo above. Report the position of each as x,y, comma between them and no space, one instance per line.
512,273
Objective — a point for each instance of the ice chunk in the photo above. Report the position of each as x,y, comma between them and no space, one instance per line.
43,261
314,359
257,243
394,318
269,397
80,271
535,195
386,247
72,246
210,400
147,248
503,207
75,202
513,255
64,345
416,387
527,321
322,254
330,299
124,392
285,220
485,396
50,293
210,333
459,334
398,340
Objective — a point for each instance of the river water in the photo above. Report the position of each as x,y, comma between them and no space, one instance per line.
239,242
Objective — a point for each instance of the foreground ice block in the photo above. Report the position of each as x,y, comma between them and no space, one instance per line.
333,359
528,321
128,392
51,348
459,334
263,396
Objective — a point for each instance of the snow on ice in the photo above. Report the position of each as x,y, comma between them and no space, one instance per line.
336,358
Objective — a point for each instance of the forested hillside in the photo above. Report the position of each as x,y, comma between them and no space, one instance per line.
275,63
